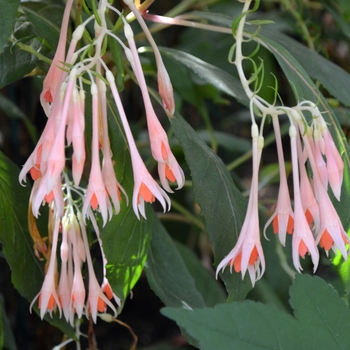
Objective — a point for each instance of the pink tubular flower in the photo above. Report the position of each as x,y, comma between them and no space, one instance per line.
145,187
56,74
303,240
97,300
164,85
168,167
247,253
48,298
283,218
96,195
335,165
113,187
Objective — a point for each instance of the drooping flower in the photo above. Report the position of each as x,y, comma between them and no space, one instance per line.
48,298
247,255
303,241
283,217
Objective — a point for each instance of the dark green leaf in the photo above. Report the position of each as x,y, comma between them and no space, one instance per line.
324,318
240,325
223,206
167,273
211,291
14,64
7,19
27,271
322,321
335,79
44,26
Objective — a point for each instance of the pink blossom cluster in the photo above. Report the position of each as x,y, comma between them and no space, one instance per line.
312,219
63,100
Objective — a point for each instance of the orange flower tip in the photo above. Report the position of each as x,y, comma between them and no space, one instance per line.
101,305
290,225
35,172
275,224
164,152
51,303
326,241
309,217
49,197
253,256
237,262
48,97
169,174
302,249
94,202
146,194
108,291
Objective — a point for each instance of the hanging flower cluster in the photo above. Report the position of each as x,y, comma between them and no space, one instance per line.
312,220
63,100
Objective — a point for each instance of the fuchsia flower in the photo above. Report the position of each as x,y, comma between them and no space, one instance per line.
247,255
303,240
145,187
164,85
283,217
48,298
168,167
96,195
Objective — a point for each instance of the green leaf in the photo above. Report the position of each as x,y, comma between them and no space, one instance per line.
210,74
15,64
222,205
125,243
44,26
211,291
321,321
27,272
7,19
167,273
324,318
335,79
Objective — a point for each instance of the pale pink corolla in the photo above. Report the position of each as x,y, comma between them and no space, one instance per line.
308,200
56,73
247,255
168,167
335,165
303,241
283,217
113,187
48,297
331,234
66,279
164,85
96,195
145,187
318,154
97,300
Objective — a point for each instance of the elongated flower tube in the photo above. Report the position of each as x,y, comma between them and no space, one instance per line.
48,297
283,217
145,187
247,255
303,240
164,85
168,167
96,195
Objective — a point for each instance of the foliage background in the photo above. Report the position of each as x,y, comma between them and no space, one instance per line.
179,267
